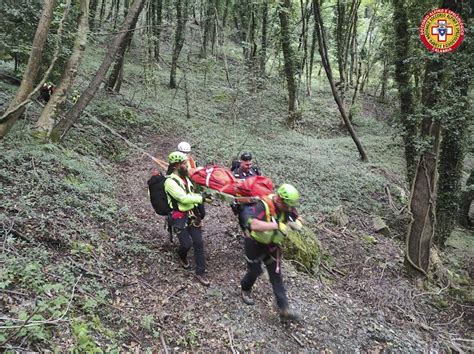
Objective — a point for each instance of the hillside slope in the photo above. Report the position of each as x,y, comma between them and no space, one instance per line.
86,263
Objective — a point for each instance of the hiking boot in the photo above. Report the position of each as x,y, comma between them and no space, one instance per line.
247,298
288,314
184,263
203,279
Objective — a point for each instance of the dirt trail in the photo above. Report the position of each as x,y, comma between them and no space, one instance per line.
339,312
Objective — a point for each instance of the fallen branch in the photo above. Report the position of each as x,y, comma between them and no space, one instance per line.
433,293
333,270
161,163
231,341
110,268
13,335
49,321
84,269
300,264
297,340
12,292
163,343
18,234
166,300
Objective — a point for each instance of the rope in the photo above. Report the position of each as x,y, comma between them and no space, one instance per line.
160,163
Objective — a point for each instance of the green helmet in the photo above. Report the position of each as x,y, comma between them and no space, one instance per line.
177,157
288,194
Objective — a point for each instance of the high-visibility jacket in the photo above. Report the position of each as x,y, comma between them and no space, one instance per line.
181,191
263,210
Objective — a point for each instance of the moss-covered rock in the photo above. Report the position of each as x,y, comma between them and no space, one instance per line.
304,249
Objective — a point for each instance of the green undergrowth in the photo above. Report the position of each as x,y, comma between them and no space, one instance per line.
62,208
318,157
57,202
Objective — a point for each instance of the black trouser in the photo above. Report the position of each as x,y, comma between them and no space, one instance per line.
257,253
190,235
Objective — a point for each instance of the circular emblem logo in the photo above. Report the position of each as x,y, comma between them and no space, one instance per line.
442,30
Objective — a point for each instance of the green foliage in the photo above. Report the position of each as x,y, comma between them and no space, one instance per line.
82,248
190,339
84,342
18,25
148,322
304,248
19,20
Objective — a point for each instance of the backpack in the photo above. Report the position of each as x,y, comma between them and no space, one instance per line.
158,196
235,165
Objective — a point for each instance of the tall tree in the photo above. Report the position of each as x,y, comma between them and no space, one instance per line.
114,82
92,10
455,123
264,39
50,112
423,198
423,192
402,43
323,51
181,18
346,24
15,108
209,23
61,129
157,23
288,57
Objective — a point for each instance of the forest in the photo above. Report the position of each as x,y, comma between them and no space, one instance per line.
359,110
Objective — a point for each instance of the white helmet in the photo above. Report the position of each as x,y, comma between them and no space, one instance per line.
184,147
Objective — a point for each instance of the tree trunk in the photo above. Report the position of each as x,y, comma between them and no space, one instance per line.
311,56
208,24
226,12
423,191
384,79
340,30
251,38
323,51
50,112
92,11
346,22
114,83
32,69
158,29
304,67
116,13
102,12
215,25
353,49
288,58
453,146
182,16
350,36
402,77
450,173
73,115
466,199
264,39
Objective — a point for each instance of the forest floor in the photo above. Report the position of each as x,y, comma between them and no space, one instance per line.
361,300
87,265
124,289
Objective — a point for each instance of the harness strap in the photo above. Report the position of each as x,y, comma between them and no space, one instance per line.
208,175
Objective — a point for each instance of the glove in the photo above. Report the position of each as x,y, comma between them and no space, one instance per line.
202,210
206,197
296,225
283,228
